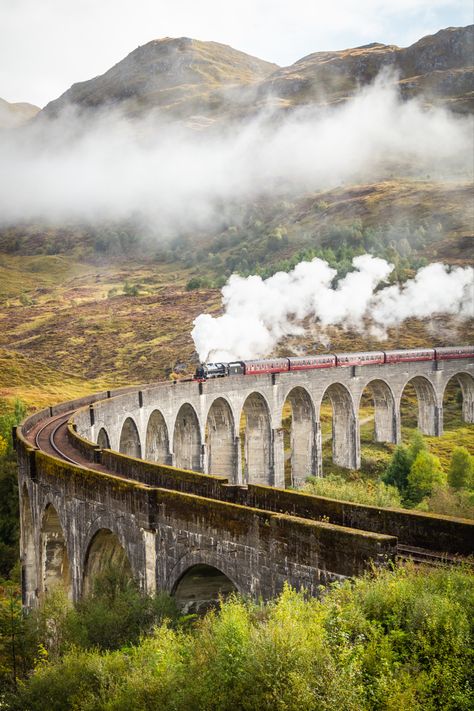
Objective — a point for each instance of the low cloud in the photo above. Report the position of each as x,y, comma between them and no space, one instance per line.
178,179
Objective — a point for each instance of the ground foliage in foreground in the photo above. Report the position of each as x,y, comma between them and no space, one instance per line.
394,639
10,415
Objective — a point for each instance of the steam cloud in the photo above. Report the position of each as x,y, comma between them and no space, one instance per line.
258,313
176,178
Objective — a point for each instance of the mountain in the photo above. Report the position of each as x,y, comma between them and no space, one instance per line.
178,75
203,82
13,115
440,67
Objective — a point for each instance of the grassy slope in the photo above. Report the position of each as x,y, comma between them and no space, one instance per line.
61,334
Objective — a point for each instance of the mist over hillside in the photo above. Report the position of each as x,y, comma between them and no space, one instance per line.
16,114
197,155
182,137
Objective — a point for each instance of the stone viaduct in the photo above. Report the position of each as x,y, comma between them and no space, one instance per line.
182,484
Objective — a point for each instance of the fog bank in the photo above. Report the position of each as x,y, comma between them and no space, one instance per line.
177,179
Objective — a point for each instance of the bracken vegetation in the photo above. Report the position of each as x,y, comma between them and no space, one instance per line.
394,639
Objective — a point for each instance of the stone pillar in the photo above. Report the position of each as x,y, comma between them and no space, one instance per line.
346,442
238,461
427,418
397,425
278,459
438,420
204,459
149,581
355,444
317,464
468,404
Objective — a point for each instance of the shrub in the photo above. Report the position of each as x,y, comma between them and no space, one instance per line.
368,492
425,474
461,469
449,502
392,638
398,469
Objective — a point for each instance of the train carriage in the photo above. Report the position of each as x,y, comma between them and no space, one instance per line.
311,362
364,358
270,365
409,356
450,352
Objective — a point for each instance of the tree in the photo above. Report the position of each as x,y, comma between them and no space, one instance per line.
17,644
402,460
461,469
425,474
398,469
417,445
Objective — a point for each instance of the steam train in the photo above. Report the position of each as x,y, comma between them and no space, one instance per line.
205,371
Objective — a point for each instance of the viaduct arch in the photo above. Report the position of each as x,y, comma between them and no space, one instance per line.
55,565
233,426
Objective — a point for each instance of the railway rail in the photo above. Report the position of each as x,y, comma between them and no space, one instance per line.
47,437
422,556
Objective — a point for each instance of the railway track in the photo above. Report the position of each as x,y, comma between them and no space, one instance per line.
423,556
49,435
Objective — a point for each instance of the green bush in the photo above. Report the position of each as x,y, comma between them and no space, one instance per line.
397,471
425,475
369,492
10,415
461,469
391,640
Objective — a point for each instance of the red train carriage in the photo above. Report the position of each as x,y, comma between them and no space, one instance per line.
454,352
310,362
274,365
374,358
401,356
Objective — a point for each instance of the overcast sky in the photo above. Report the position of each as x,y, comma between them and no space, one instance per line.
47,45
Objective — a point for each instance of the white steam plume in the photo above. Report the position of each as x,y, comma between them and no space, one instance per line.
258,313
178,179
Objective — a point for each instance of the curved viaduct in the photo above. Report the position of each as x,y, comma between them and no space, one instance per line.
157,480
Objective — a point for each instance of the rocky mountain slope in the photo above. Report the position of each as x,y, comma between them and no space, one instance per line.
188,78
13,115
182,76
440,67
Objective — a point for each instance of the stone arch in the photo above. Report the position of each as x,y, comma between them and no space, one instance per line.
255,425
302,433
429,420
130,439
345,427
55,568
385,412
222,454
29,576
103,439
104,551
187,439
200,588
157,444
466,384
